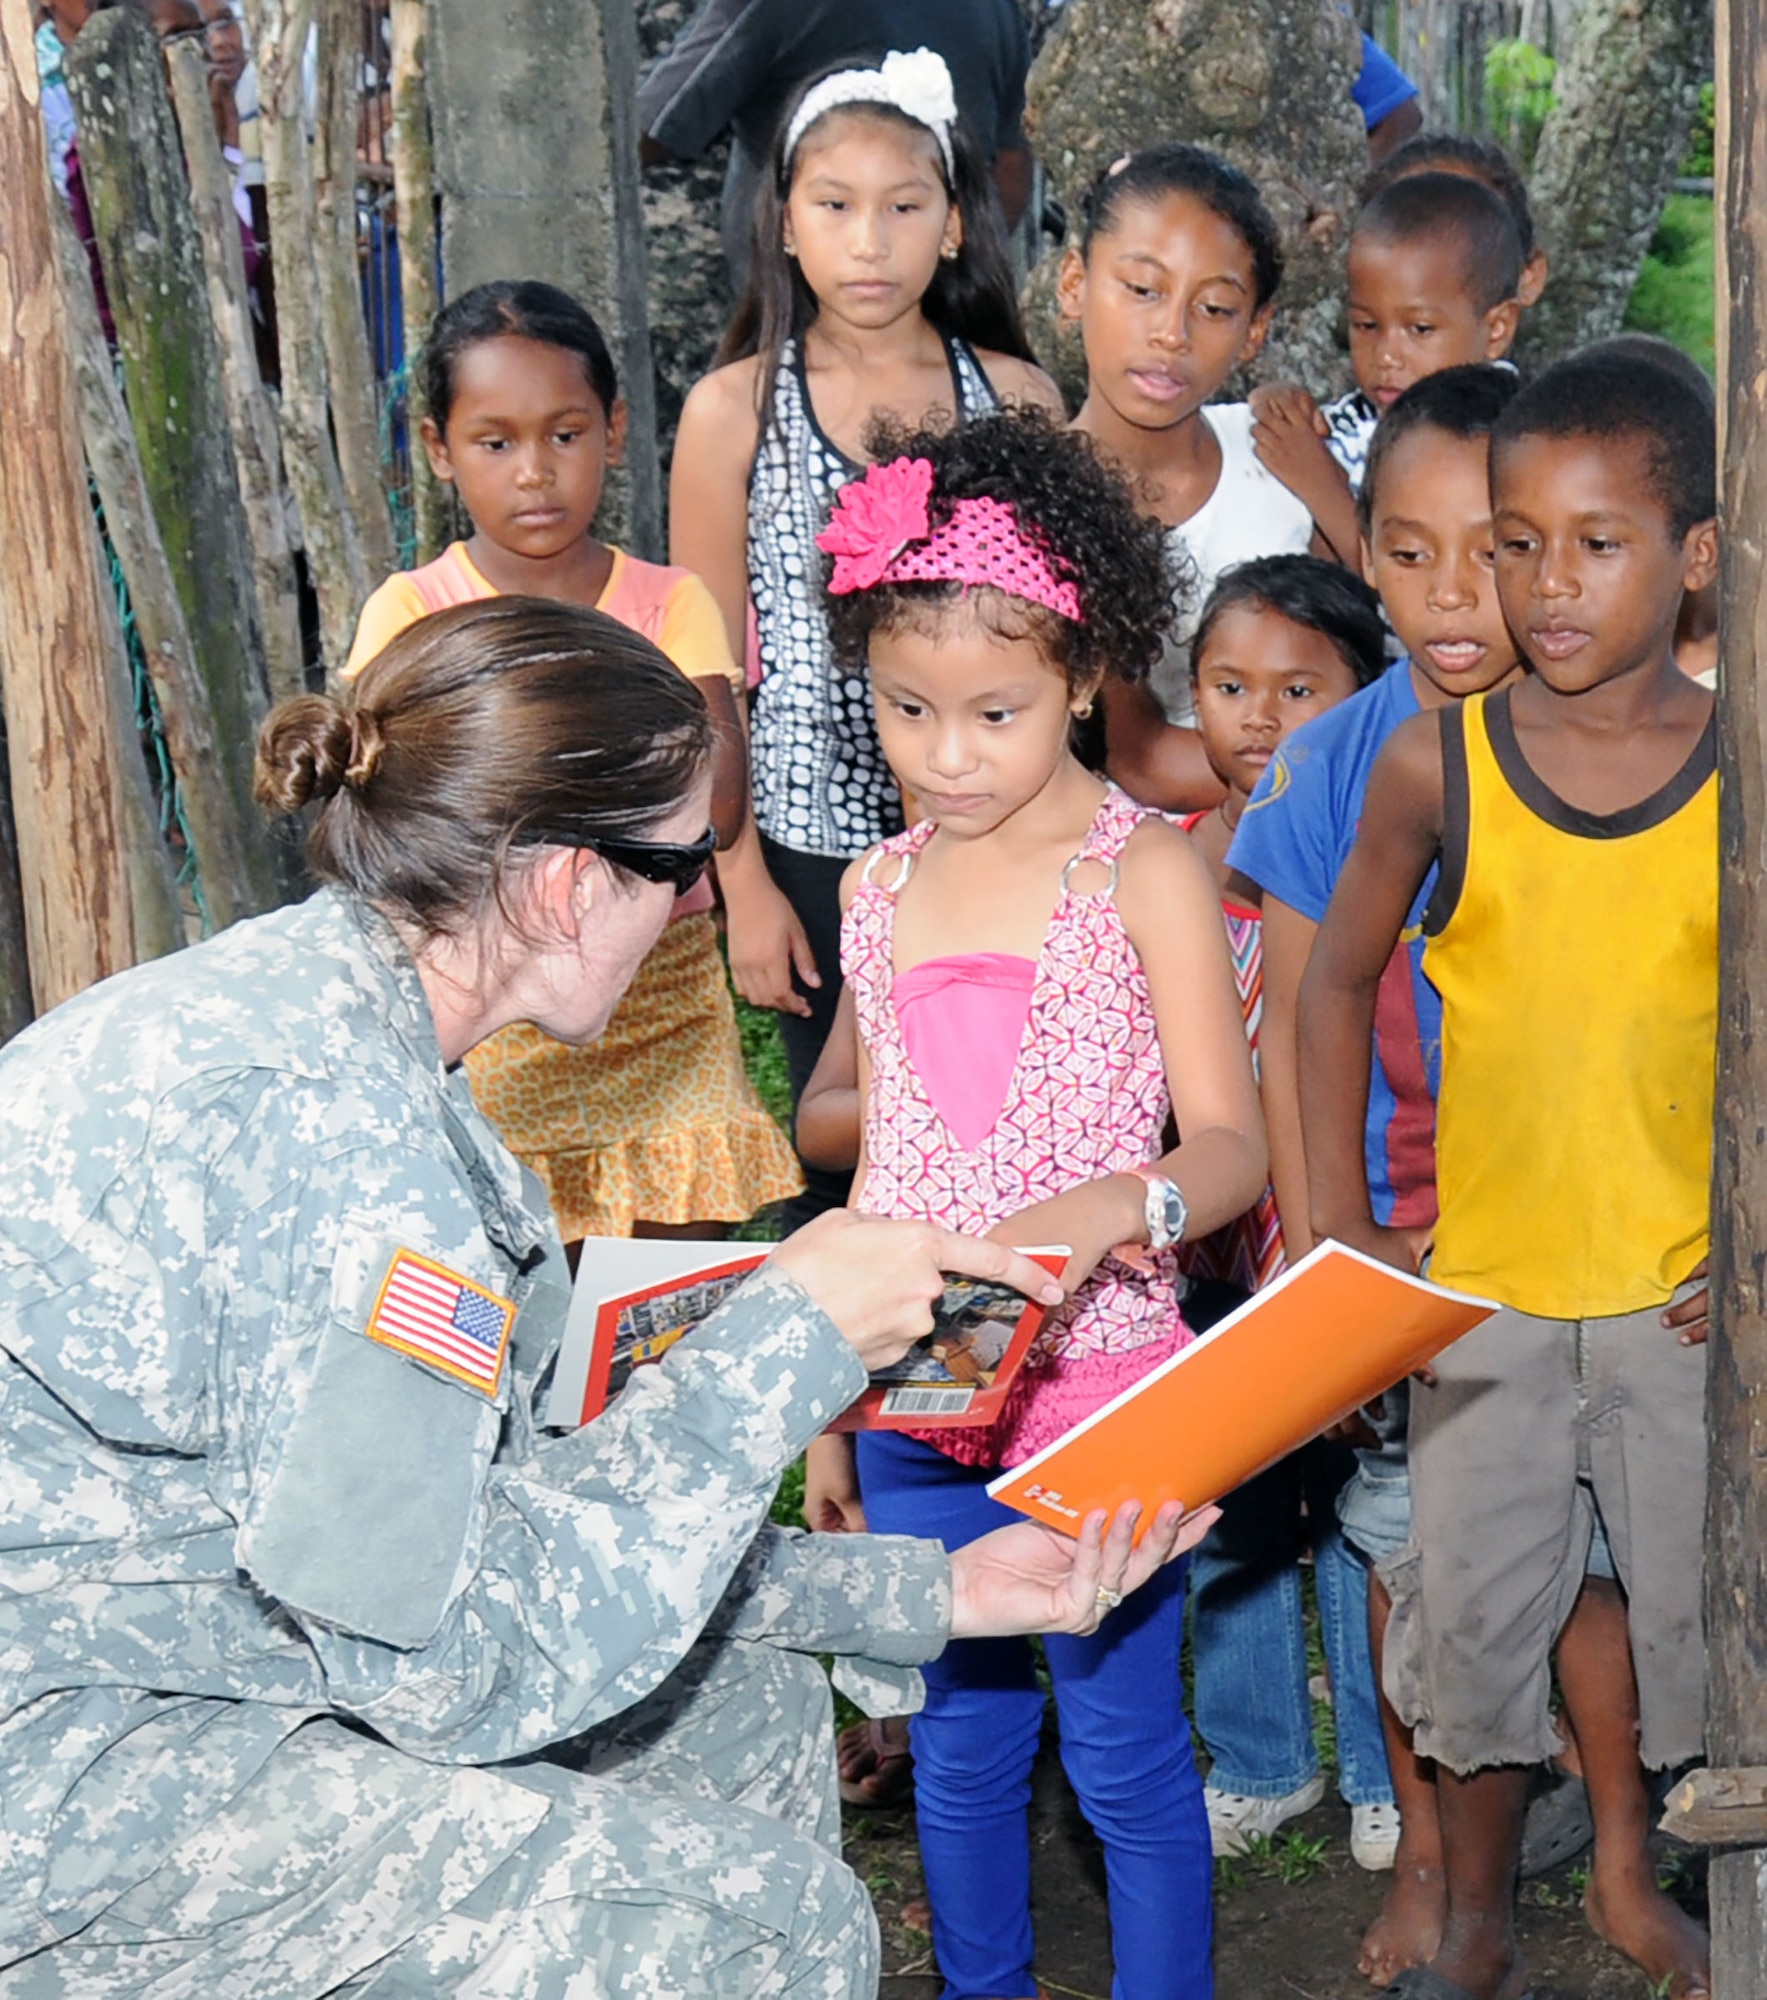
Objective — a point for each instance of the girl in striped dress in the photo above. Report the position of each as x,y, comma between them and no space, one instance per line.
1280,640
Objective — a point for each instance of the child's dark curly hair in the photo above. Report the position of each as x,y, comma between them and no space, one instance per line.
1069,501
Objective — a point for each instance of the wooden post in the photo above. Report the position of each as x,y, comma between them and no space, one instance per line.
257,450
219,833
537,155
1736,1515
414,188
153,271
328,526
63,734
355,423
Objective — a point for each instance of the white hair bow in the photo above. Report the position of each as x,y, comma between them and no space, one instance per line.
915,82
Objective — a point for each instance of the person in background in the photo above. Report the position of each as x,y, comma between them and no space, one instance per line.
1435,272
655,1129
1172,285
738,63
1281,641
879,287
1387,100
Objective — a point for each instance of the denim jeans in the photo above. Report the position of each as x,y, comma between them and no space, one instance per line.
1125,1746
1252,1707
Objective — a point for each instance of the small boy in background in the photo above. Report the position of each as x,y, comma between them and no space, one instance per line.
1572,936
1435,267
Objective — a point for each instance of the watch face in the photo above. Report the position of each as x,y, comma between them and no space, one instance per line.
1176,1213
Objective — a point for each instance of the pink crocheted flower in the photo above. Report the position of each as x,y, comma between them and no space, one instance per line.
874,520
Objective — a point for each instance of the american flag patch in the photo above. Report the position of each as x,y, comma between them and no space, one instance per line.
433,1314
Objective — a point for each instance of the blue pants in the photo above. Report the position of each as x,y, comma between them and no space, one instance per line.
1125,1745
1252,1708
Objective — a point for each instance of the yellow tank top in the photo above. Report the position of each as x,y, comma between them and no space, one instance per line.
1577,959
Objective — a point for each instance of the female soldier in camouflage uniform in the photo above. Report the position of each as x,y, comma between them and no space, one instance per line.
294,1599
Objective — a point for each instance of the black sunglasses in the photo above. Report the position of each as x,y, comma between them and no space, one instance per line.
652,860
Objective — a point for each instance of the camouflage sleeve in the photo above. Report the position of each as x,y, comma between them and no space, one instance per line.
880,1603
471,1608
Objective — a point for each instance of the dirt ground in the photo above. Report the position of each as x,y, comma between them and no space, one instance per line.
1287,1924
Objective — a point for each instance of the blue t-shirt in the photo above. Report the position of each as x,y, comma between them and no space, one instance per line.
1293,840
1381,86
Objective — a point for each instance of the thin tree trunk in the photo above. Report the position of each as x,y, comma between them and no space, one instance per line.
415,190
147,241
1265,83
63,743
1608,152
219,836
1736,1504
256,448
355,422
328,525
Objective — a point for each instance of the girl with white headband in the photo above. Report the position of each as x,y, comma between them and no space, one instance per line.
878,287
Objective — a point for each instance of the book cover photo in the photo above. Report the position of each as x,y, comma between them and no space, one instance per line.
635,1297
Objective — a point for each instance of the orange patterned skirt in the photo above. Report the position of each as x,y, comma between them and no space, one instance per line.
657,1121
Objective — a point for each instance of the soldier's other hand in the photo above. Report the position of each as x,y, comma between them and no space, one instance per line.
1028,1578
879,1281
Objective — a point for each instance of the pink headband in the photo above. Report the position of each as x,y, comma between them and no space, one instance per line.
880,532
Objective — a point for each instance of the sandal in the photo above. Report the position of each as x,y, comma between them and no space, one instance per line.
878,1755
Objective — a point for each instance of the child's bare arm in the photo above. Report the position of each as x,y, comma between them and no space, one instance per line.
829,1112
730,757
1288,940
1156,763
1399,836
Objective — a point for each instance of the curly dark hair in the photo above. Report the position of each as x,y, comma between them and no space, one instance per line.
1080,512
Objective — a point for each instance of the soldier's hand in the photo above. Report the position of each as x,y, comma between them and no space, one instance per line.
879,1281
1028,1578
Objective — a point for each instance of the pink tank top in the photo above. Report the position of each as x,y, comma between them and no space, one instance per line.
962,1021
1084,1095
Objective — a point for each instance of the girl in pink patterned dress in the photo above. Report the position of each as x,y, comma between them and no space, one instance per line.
1041,981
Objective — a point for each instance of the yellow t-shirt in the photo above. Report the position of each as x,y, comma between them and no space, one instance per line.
671,607
1577,959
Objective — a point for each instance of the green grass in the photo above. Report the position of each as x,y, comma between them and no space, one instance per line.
1673,296
763,1056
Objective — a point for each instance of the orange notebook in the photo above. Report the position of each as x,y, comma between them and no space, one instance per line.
1329,1335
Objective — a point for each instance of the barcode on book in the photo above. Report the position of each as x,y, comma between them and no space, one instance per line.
926,1402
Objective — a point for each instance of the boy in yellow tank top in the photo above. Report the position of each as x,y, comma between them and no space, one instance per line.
1573,939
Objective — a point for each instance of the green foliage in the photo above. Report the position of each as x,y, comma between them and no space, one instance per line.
1518,95
1292,1857
788,1502
763,1056
1699,162
1673,296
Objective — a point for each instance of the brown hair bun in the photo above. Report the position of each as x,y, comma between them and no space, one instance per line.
305,751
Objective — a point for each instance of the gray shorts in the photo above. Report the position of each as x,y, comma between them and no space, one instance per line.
1374,1509
1535,1430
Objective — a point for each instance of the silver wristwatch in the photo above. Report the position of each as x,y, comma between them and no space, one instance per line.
1166,1213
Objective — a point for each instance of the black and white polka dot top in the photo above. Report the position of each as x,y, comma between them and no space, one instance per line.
820,782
